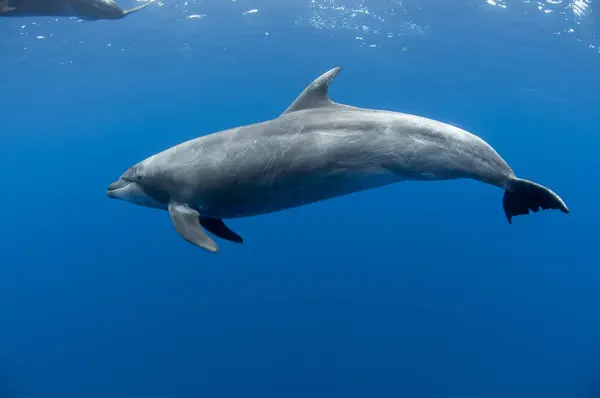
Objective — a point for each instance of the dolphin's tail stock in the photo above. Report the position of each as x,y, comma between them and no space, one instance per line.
135,9
521,196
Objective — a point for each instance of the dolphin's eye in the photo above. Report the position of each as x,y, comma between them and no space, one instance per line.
138,177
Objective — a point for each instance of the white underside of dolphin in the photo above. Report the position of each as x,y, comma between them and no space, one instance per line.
316,150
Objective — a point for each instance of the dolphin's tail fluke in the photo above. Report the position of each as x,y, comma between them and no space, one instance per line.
135,9
521,196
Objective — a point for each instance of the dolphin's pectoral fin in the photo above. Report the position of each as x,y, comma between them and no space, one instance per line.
187,223
135,9
217,227
316,94
4,7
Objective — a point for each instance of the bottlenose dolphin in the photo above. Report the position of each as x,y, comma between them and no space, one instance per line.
90,10
316,150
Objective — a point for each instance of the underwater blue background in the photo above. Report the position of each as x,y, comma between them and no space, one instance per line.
412,290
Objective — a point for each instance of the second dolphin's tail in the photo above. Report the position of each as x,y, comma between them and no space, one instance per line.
521,196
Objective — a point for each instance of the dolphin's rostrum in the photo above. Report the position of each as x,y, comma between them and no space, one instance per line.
316,150
90,10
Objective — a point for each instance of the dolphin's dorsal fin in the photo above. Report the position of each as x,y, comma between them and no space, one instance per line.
316,94
135,9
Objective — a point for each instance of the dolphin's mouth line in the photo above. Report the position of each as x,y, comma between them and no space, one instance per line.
115,186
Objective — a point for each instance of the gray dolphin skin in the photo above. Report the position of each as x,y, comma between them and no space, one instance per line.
90,10
316,150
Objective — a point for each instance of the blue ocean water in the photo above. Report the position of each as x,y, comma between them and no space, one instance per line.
412,290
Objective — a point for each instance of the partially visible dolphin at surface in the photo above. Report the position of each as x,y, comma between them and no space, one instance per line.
316,150
90,10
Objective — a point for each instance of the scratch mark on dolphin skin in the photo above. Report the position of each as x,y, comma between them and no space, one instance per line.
342,134
198,152
238,156
285,151
417,140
